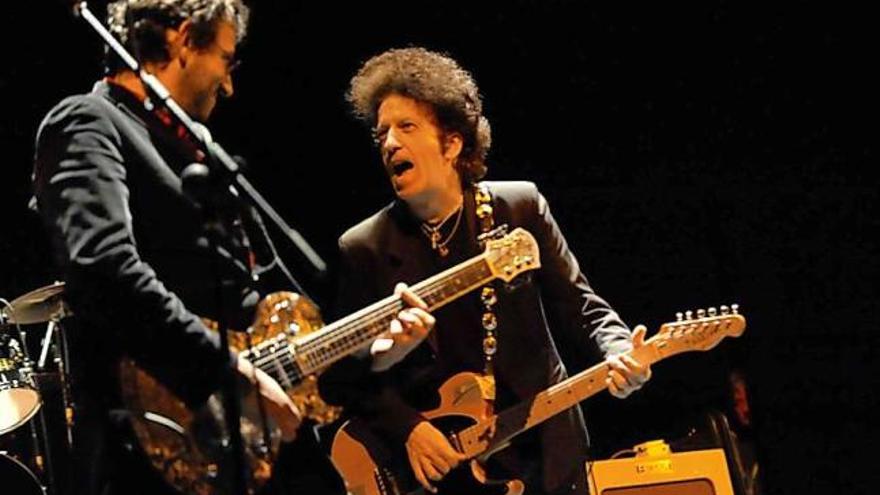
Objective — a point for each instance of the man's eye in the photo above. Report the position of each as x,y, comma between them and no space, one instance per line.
407,126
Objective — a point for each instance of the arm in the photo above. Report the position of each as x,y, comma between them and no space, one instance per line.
574,307
82,193
364,383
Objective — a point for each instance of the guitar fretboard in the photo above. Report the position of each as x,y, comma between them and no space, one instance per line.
486,436
288,364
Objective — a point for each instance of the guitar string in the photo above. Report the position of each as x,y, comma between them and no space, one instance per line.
342,338
385,313
434,292
342,333
331,344
470,269
554,392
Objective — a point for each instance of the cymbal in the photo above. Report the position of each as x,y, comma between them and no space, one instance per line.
37,306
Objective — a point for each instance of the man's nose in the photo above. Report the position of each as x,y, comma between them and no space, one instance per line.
391,144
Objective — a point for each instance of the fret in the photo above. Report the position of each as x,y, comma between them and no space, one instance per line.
500,428
359,329
315,351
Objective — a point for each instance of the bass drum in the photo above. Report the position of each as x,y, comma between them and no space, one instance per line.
18,479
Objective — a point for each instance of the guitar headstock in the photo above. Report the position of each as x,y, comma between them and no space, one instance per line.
700,330
512,254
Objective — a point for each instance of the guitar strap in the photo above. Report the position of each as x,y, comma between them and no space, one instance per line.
488,294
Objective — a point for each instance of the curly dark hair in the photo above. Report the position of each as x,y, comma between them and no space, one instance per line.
434,79
140,25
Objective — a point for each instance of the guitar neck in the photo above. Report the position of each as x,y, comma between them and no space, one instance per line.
556,399
319,349
703,333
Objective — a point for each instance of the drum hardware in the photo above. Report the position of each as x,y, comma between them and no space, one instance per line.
19,398
54,339
20,392
37,306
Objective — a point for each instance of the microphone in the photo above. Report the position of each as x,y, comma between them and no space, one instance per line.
196,183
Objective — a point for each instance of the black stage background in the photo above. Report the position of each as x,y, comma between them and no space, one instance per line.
694,156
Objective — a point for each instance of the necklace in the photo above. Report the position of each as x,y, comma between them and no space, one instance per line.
433,232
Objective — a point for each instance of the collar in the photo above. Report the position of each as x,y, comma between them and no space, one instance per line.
158,120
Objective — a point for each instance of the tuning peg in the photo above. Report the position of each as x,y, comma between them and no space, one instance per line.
713,311
724,309
701,313
688,315
734,308
679,316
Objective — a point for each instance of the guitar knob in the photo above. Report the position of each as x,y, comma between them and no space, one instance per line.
701,313
725,310
713,311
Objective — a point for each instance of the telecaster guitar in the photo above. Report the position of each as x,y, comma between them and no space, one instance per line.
289,342
370,466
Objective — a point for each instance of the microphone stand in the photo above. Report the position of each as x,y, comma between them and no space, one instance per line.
225,172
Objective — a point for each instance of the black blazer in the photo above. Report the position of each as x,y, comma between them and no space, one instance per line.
556,306
131,250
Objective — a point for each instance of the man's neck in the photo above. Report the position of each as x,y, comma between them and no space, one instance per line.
440,205
164,72
130,82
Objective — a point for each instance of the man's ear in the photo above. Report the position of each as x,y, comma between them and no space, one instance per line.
453,143
179,42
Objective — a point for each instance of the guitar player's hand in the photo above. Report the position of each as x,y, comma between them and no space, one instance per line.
407,331
430,454
278,404
627,374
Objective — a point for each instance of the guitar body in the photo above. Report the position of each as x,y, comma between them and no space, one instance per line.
370,466
290,343
187,446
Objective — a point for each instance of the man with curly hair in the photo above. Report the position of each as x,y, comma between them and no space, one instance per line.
427,117
129,243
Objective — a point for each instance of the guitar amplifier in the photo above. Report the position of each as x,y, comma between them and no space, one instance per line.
657,471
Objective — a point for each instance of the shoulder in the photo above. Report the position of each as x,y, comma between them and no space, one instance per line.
79,113
517,192
366,234
517,196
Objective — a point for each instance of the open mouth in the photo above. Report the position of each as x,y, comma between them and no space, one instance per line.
399,168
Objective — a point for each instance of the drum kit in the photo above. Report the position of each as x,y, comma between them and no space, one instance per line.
26,454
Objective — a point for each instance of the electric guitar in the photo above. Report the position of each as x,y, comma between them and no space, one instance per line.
289,342
371,466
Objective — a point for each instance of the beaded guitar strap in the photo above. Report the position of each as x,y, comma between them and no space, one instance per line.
488,294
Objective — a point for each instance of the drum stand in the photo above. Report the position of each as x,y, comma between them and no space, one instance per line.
53,341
